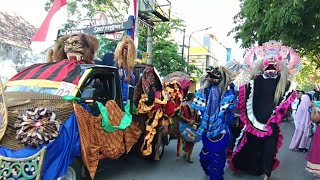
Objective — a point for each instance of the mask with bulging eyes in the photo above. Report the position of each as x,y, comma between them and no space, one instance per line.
214,75
271,67
73,47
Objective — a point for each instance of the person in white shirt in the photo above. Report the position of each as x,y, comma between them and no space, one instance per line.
294,107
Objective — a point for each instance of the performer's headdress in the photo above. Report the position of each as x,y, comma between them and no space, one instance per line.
125,54
81,47
220,76
271,60
275,52
149,81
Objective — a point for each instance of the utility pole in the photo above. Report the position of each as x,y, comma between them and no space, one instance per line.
184,37
149,45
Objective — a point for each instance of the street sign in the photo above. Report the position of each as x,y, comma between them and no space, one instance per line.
101,29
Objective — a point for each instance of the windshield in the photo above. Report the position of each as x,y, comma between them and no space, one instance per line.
45,90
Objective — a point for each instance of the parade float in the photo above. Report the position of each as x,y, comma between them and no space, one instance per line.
69,112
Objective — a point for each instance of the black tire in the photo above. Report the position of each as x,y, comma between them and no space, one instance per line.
162,145
161,150
74,171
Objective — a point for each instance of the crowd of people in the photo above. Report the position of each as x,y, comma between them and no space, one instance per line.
306,137
241,125
305,113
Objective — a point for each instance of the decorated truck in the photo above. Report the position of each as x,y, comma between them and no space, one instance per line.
58,119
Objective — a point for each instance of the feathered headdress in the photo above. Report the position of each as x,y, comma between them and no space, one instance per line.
125,54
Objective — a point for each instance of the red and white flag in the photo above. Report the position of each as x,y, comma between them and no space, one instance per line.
47,33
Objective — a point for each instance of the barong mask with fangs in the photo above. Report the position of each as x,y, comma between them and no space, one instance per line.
271,67
214,75
77,47
73,47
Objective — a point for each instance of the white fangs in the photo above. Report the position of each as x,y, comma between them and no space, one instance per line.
75,56
272,66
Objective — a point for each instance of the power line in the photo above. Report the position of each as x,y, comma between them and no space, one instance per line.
201,45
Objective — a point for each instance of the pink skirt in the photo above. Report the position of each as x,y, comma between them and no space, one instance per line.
313,163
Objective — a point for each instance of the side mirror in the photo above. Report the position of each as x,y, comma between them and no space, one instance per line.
88,94
95,94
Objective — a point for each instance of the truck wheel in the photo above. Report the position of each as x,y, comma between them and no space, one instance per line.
161,149
74,171
154,149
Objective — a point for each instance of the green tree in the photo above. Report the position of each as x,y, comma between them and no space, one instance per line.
308,77
303,78
106,45
166,57
112,8
296,23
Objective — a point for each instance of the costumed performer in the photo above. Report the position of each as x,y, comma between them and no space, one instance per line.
176,86
215,101
150,98
125,54
263,103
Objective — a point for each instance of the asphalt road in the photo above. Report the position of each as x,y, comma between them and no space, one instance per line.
292,165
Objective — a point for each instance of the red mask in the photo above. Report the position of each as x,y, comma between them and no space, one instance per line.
271,67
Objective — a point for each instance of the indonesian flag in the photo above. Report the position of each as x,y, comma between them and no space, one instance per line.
47,33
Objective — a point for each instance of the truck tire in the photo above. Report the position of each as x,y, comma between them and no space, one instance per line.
74,171
154,149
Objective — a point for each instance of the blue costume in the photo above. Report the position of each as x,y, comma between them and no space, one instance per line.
216,110
125,85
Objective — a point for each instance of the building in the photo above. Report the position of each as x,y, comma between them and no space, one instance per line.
221,53
15,40
211,53
201,58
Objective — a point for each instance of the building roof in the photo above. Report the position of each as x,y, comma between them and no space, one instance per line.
15,30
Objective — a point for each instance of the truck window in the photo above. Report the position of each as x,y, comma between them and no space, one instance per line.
104,83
